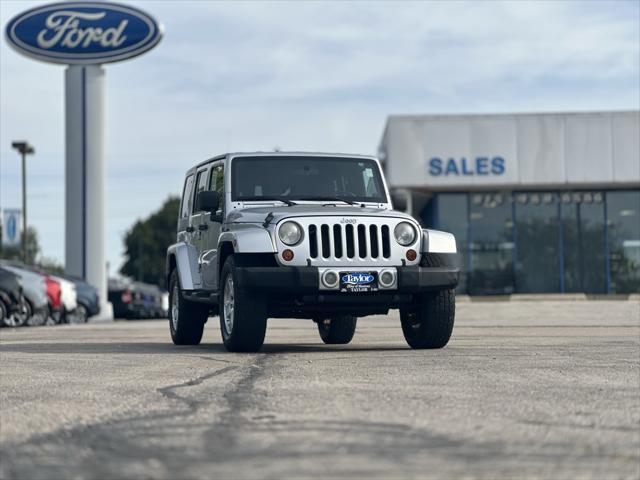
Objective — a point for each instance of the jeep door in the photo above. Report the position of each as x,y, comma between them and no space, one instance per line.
213,222
197,220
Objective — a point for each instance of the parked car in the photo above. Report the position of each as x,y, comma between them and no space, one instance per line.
69,298
11,300
143,301
87,299
36,305
133,300
303,235
54,296
147,300
120,297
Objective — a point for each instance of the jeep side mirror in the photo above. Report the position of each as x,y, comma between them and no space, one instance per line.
208,201
399,201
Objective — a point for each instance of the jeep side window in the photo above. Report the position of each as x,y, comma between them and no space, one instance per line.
201,182
217,180
187,197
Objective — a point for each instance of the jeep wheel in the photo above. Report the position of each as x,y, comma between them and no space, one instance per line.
243,319
337,330
430,323
186,319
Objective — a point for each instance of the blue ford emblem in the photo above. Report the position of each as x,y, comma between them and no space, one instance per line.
357,278
83,32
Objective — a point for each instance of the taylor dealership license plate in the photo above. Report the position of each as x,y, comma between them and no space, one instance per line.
357,282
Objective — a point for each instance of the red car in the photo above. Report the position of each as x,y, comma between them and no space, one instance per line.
54,293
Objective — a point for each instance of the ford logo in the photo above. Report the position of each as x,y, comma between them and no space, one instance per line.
357,278
83,32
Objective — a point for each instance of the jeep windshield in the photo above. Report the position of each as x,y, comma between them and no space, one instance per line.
327,179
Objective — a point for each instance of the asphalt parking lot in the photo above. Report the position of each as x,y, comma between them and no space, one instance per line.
524,390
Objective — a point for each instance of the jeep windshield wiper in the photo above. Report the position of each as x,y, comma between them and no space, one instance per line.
270,199
328,199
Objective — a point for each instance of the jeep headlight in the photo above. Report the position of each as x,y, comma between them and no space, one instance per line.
405,233
290,233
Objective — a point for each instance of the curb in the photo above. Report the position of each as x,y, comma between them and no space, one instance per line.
549,297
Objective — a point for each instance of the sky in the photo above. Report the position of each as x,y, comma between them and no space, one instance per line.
316,76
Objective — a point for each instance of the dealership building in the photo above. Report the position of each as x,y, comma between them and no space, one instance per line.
539,203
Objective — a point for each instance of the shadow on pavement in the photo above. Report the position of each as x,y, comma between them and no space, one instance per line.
143,348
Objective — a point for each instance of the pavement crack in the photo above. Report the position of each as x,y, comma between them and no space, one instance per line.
192,404
240,399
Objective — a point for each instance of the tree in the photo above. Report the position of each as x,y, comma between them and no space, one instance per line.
146,244
50,265
15,253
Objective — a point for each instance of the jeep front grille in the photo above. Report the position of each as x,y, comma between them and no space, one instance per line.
349,241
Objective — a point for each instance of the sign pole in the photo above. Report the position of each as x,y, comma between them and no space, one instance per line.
24,207
85,176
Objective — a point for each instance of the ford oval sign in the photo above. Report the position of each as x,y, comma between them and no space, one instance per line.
83,32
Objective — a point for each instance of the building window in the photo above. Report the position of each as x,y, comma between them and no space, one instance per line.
537,242
491,244
623,222
583,241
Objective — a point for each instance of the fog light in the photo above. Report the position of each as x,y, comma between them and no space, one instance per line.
411,255
330,278
386,279
287,255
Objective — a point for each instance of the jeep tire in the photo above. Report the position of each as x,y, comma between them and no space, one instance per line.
429,324
243,316
186,319
337,330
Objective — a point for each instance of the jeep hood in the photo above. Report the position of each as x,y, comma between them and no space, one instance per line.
277,213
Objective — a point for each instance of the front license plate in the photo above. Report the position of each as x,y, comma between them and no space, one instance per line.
358,282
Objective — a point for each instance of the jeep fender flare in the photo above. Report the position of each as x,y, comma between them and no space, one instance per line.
184,258
252,239
435,241
247,239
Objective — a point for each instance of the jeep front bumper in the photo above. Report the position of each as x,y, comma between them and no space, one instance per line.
306,280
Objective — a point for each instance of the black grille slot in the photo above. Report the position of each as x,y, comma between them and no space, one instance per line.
362,241
337,241
313,241
386,246
373,235
326,246
350,242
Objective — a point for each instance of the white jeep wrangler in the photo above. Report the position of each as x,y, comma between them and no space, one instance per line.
303,235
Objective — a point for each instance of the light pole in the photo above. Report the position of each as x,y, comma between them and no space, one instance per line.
24,149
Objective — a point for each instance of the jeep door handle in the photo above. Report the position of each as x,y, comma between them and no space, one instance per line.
190,229
203,226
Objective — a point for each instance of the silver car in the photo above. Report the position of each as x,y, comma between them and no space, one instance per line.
35,310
